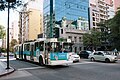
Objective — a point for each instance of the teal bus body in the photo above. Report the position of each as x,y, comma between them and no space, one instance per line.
48,52
60,56
27,53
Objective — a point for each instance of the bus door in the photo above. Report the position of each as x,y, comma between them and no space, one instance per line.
22,51
47,50
19,51
32,52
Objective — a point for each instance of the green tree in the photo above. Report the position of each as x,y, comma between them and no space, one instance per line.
13,5
105,33
91,40
12,44
2,32
114,25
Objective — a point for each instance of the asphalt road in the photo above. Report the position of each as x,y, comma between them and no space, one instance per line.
84,70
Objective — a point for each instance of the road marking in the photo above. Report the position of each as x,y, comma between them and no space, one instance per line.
30,68
82,63
5,59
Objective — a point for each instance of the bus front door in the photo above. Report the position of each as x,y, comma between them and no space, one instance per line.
32,53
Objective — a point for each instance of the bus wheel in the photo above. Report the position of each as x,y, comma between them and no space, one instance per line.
41,61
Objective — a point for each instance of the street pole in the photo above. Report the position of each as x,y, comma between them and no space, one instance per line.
9,1
21,37
8,38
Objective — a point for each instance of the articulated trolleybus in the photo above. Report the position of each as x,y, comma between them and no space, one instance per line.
51,51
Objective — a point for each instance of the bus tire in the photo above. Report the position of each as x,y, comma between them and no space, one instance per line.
41,61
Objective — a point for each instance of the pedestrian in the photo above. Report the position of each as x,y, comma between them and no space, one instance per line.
115,52
93,51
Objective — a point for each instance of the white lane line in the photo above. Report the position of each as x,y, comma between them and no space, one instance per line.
30,68
81,63
5,59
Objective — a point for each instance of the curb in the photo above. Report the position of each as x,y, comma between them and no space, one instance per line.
7,73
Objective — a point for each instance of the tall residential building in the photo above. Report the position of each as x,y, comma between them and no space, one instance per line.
100,11
14,31
35,24
30,21
10,34
55,10
116,4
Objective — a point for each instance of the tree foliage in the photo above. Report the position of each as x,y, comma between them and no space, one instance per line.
13,5
110,31
12,44
92,39
2,32
114,25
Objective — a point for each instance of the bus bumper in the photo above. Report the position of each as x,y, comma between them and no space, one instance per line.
60,62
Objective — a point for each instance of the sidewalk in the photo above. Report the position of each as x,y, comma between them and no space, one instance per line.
3,70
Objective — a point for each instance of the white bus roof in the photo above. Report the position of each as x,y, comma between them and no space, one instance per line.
53,40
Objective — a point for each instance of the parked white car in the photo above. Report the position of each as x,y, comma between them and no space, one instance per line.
102,56
74,57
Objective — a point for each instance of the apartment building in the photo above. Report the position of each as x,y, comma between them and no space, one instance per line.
14,31
100,11
30,23
116,4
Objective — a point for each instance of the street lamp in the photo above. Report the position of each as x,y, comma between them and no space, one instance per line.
9,1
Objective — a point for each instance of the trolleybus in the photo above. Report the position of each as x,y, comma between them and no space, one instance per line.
51,51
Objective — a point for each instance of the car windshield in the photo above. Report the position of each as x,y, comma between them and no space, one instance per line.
89,52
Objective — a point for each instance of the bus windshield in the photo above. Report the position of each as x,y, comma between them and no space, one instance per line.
67,47
59,47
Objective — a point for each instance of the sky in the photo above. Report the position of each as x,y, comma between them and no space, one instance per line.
13,16
4,17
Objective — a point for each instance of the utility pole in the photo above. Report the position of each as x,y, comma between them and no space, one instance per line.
9,1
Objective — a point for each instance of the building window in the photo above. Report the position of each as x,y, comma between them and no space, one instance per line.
93,14
70,37
75,38
80,48
61,31
84,48
80,39
93,19
93,24
75,49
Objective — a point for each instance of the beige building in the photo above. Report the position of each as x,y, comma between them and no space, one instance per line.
35,24
30,22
